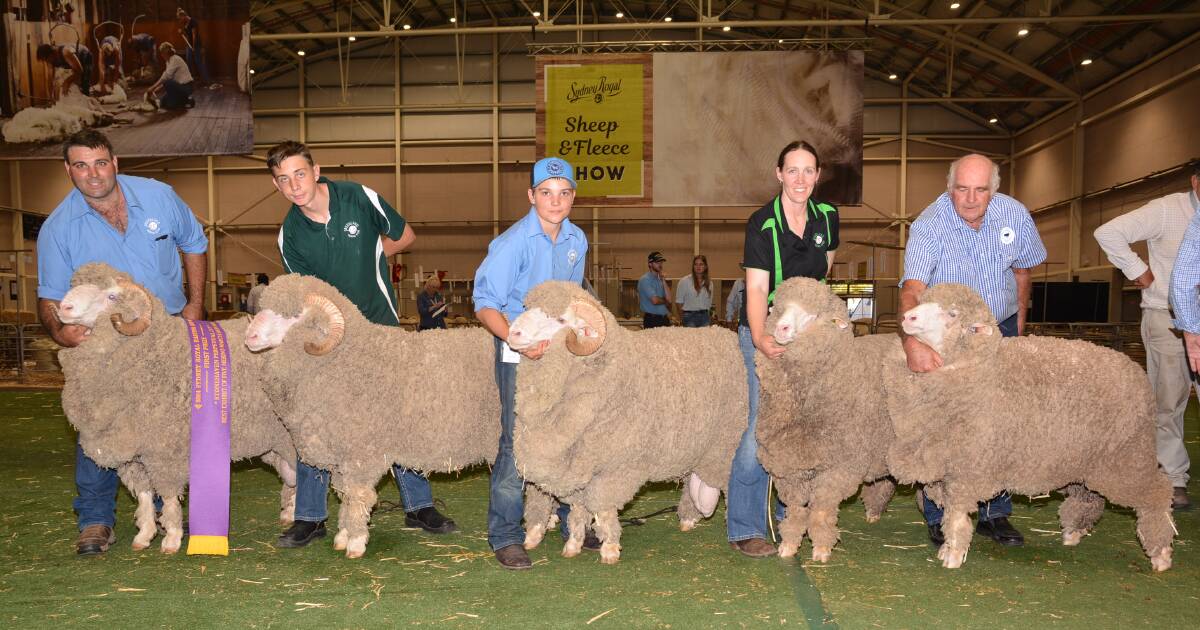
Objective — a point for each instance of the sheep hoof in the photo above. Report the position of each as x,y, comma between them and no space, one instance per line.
951,559
356,547
872,518
610,553
534,536
285,520
1161,561
1072,537
687,525
788,549
821,554
171,544
139,545
340,541
572,548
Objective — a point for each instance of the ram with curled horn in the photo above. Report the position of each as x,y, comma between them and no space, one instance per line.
359,397
595,411
128,391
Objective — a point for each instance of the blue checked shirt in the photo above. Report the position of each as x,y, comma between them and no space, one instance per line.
1185,279
524,257
943,248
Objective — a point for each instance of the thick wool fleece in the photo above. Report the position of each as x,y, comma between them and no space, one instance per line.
1030,415
130,397
384,395
651,405
823,427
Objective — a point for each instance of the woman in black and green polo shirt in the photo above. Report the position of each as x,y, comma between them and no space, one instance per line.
792,235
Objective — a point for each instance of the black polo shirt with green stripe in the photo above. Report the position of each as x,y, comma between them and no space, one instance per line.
800,256
347,252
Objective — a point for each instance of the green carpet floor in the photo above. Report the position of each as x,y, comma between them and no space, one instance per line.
882,575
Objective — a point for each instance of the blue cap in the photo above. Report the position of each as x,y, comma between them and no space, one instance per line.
546,168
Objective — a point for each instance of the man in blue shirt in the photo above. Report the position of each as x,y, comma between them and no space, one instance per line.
1185,280
986,240
134,225
654,296
543,246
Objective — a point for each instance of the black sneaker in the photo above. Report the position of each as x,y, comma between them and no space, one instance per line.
190,103
430,520
300,534
1001,531
591,542
935,534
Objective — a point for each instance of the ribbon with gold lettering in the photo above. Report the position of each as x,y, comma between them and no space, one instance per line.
208,493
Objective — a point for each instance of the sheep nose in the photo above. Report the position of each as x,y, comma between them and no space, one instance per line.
66,307
515,334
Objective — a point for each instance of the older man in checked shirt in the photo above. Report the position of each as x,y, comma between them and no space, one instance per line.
986,240
1161,223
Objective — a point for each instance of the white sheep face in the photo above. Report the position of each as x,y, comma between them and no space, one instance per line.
790,321
268,329
929,322
535,326
83,304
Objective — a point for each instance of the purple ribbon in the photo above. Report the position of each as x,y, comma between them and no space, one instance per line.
208,494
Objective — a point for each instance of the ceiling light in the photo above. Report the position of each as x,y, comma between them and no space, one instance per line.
781,41
667,19
893,76
251,70
725,28
352,38
993,120
537,14
1023,31
620,14
1085,62
954,5
453,20
407,26
300,52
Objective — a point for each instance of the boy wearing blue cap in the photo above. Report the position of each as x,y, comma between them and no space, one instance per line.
544,245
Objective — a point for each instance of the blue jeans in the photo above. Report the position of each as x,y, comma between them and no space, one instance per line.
746,501
312,486
695,319
506,503
999,505
96,503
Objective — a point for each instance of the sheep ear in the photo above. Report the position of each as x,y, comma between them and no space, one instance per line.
840,322
981,328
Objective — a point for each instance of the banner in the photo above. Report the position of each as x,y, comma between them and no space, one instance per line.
159,79
595,112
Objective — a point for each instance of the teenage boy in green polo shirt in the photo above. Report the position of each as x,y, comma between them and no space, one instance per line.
342,232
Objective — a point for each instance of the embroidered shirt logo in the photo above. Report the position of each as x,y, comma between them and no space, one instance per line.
351,229
1007,235
819,239
153,226
572,256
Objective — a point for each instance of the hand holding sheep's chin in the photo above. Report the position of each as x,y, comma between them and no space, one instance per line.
766,345
535,352
71,335
921,358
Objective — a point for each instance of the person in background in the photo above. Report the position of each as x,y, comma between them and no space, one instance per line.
693,294
431,306
189,30
737,297
175,84
112,64
261,282
74,57
654,296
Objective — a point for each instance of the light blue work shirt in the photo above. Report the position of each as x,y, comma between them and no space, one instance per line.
160,226
1185,278
650,285
524,257
943,248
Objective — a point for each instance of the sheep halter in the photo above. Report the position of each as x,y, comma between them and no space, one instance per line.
142,322
208,465
593,318
337,326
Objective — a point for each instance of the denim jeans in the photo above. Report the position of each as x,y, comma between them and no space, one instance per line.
695,319
96,503
506,503
999,505
195,57
746,501
312,486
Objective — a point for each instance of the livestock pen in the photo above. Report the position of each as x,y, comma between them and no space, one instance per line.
885,576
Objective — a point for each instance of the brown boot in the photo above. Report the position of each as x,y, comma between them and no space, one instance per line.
754,547
94,539
1180,500
513,557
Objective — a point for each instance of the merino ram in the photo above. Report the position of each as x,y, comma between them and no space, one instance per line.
359,397
823,426
606,410
128,392
1028,415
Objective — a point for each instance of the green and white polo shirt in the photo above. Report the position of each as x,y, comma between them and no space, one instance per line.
347,252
